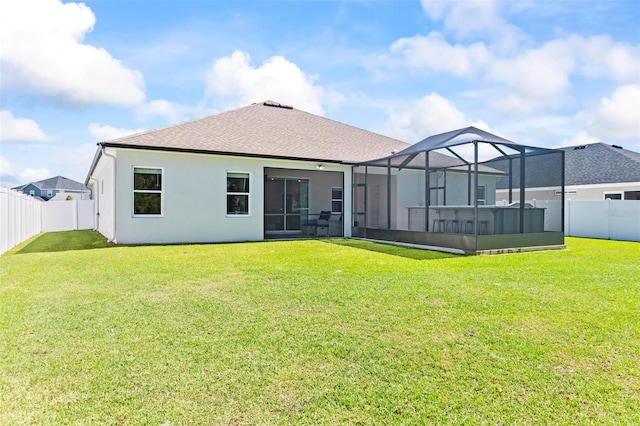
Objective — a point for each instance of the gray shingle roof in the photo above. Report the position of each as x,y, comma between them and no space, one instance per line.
268,129
600,163
57,182
597,163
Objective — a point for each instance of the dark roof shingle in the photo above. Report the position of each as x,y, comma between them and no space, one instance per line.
599,163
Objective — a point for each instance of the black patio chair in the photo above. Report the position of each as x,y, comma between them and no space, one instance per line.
323,221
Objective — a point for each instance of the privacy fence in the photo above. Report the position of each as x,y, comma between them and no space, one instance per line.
22,217
608,219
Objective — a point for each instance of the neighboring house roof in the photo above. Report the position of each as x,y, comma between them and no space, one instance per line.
597,163
267,129
55,183
600,163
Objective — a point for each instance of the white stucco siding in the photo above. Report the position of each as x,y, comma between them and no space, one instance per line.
458,189
194,197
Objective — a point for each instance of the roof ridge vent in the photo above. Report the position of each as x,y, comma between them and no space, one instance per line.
277,105
617,146
579,147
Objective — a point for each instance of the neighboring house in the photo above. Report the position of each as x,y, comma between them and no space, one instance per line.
48,188
268,170
595,171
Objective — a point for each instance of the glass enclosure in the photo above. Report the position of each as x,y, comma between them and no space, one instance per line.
469,190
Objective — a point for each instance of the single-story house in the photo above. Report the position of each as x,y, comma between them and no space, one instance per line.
47,189
242,175
269,170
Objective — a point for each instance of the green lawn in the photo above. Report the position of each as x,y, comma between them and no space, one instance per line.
317,332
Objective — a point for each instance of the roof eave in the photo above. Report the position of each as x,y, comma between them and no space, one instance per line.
94,162
212,152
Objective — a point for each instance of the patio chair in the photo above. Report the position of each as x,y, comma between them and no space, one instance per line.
323,221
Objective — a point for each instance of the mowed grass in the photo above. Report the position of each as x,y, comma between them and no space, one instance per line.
319,332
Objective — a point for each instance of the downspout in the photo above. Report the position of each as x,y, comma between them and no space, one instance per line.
115,176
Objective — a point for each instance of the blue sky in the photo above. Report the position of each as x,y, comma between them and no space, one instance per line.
546,73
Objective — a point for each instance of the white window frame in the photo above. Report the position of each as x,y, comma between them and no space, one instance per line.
620,193
227,193
341,199
482,201
133,192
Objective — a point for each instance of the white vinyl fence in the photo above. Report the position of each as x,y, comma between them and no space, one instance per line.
607,219
20,218
67,215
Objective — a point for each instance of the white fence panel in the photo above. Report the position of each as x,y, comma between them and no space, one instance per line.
85,214
606,219
19,218
67,215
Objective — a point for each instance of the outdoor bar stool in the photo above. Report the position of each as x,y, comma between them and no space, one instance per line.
455,226
467,227
439,225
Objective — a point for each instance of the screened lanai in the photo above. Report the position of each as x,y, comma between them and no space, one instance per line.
464,191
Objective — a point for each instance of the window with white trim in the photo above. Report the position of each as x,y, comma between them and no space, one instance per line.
336,200
482,195
147,191
238,193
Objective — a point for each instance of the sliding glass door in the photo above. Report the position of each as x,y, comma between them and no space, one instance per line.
286,204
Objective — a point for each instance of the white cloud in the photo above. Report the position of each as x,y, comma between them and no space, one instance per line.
235,80
13,129
106,132
617,117
43,52
10,177
599,56
470,18
74,163
428,52
427,116
580,138
33,175
535,78
6,169
162,108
